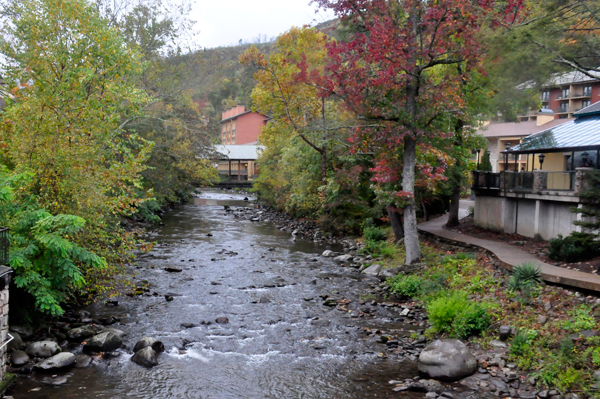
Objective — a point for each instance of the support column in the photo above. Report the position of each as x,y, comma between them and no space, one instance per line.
536,223
229,174
239,170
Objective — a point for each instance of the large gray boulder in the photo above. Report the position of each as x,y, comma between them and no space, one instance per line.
146,357
117,332
104,342
25,332
81,333
372,270
156,345
59,361
19,358
328,254
447,360
344,258
391,272
42,349
16,343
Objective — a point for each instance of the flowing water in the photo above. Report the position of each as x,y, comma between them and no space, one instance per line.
280,342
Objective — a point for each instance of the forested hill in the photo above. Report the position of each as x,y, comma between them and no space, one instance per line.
231,83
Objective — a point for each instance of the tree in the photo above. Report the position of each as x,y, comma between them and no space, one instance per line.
392,71
284,90
72,171
73,79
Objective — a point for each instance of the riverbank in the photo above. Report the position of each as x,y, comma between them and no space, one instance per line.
535,342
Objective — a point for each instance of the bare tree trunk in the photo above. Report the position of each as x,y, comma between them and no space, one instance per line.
323,146
396,222
411,234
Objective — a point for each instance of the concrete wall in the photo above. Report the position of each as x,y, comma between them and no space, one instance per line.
493,149
555,218
534,218
489,212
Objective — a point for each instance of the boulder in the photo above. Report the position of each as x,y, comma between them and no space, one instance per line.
82,361
447,359
344,258
373,270
104,342
80,333
19,358
42,349
222,320
25,332
145,342
328,254
117,332
146,357
391,272
59,361
16,343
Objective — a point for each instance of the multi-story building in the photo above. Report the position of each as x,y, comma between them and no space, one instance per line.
239,126
566,94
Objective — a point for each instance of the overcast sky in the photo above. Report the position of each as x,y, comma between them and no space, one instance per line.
225,22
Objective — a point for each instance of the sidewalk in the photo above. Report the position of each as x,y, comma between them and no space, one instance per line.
510,256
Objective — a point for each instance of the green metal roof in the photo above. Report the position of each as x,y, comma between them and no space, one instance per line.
577,135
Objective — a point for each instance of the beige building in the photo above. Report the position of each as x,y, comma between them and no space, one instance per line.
238,162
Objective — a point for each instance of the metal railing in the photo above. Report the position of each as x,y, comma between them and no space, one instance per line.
4,246
486,180
560,181
522,181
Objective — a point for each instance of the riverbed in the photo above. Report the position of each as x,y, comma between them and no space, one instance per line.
280,340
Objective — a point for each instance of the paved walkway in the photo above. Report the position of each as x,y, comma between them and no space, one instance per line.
510,256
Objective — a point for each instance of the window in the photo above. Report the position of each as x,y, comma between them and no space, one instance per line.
565,93
587,91
585,103
564,107
545,106
546,95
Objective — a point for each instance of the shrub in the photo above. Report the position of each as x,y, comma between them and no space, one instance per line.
520,345
375,234
455,315
574,248
405,285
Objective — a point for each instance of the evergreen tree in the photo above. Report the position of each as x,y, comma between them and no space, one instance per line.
485,164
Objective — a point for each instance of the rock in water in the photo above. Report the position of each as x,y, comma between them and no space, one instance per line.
372,270
344,258
82,361
146,357
104,342
42,349
81,333
447,359
222,320
149,342
328,254
19,358
16,343
171,269
64,359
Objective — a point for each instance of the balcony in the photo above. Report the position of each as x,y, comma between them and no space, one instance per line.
537,182
581,95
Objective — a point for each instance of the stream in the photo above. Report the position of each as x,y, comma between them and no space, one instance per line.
280,341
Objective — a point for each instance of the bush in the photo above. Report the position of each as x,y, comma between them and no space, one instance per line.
455,315
375,234
406,285
574,248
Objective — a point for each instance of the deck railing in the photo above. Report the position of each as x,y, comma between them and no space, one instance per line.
521,181
560,181
486,180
